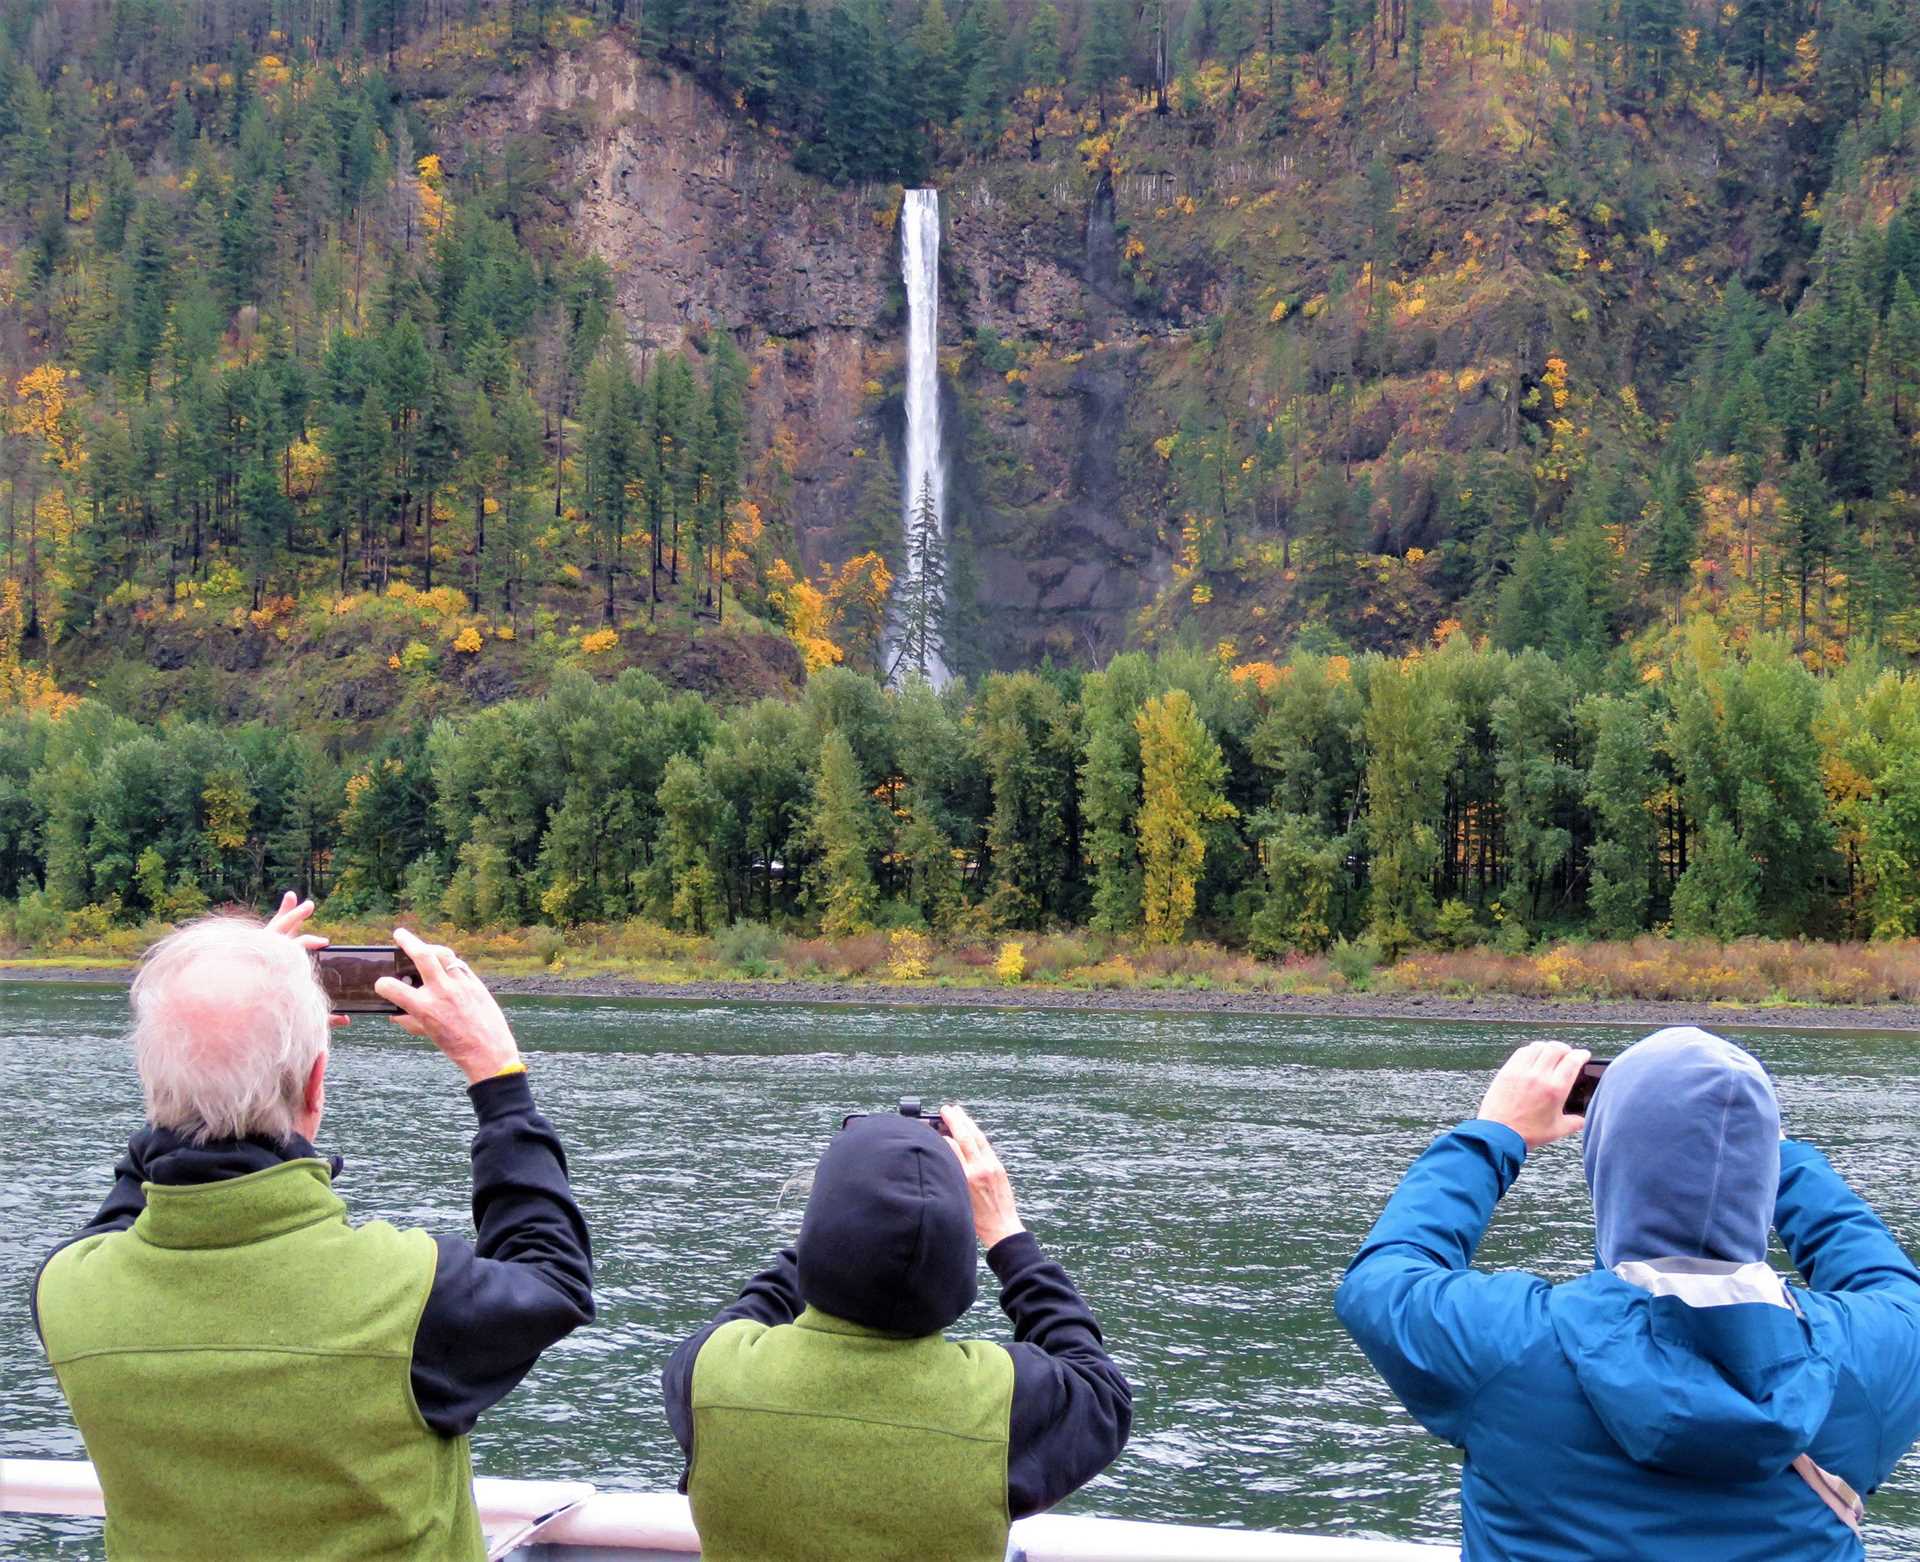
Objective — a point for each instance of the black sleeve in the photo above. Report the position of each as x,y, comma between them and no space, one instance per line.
527,1281
1072,1408
770,1297
120,1210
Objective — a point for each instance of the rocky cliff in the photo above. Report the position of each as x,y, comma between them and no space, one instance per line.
706,225
1167,336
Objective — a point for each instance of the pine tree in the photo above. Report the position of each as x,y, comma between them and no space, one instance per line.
1903,354
1102,58
265,513
936,78
611,463
358,444
1808,529
924,596
1043,44
1675,533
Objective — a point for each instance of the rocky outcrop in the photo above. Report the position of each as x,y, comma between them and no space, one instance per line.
705,224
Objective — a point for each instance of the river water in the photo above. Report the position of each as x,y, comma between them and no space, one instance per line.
1204,1178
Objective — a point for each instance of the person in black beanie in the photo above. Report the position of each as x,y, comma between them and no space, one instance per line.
825,1415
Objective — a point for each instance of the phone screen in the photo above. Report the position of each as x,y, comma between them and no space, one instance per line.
1581,1096
348,972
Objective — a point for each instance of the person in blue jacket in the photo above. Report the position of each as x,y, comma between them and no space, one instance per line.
1681,1402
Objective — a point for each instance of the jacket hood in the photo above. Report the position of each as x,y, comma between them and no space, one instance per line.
168,1157
1719,1390
887,1239
1688,1348
1683,1152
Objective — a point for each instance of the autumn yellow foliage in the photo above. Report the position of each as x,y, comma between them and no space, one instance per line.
1182,772
1010,965
803,606
22,686
436,211
907,955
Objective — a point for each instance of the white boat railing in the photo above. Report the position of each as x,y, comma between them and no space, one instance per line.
657,1524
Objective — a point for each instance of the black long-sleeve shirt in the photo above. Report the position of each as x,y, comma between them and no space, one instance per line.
1072,1408
496,1303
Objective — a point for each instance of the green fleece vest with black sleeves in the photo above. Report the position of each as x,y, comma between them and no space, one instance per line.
821,1441
238,1362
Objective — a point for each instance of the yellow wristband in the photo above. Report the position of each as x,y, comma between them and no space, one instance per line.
511,1068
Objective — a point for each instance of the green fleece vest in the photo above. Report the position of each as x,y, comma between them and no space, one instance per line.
821,1441
239,1363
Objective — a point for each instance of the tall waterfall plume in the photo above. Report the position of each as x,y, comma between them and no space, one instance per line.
920,602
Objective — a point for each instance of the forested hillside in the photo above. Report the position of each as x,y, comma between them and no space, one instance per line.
1502,418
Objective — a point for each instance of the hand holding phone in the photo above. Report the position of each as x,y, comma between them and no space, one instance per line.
447,1003
1530,1092
349,972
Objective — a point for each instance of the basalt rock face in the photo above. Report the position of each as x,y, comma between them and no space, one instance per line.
705,224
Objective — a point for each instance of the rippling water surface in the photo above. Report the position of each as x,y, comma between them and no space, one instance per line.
1204,1178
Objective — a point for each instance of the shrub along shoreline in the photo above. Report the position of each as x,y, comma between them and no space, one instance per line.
1650,979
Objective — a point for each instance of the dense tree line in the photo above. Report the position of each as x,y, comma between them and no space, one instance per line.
1462,794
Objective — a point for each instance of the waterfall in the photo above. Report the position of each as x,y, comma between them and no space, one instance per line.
920,599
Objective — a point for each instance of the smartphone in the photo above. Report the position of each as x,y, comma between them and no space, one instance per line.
909,1107
1579,1098
348,972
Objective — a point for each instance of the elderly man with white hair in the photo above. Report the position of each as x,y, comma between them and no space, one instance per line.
253,1375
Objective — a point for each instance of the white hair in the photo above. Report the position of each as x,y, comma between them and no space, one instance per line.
228,1021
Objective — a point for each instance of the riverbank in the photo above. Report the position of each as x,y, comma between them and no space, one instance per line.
1481,1009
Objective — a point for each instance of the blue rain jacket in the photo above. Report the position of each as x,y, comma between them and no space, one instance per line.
1601,1421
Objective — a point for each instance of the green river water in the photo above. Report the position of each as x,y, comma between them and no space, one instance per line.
1204,1178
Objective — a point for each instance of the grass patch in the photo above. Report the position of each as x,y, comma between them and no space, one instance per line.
1752,973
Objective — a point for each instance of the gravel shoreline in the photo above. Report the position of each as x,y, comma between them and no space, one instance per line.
1349,1006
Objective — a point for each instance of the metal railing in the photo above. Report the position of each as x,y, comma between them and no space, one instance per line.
633,1525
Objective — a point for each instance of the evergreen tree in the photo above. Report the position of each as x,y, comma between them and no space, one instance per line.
1808,529
1043,44
922,602
1674,530
935,72
1102,57
609,412
265,516
1903,354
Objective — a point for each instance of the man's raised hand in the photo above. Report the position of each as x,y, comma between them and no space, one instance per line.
994,1216
452,1008
1529,1094
289,919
